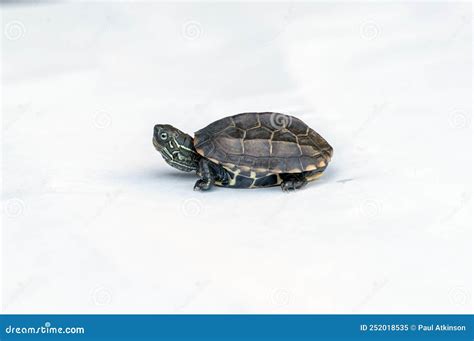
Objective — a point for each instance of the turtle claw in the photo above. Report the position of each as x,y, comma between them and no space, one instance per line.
292,185
287,186
202,185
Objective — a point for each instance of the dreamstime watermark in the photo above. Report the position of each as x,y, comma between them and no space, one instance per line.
13,207
46,329
458,295
192,30
192,207
459,119
280,121
102,119
280,297
370,208
369,30
101,296
14,30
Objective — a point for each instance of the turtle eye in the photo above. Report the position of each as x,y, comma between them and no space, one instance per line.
163,136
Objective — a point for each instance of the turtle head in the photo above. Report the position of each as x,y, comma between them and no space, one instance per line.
176,147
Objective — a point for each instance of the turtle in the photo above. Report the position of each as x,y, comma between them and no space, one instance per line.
247,150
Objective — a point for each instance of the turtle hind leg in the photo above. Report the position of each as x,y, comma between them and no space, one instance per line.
292,181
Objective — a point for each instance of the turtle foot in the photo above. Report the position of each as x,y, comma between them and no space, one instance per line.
202,185
292,185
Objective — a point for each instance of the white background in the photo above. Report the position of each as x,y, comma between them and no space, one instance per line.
95,221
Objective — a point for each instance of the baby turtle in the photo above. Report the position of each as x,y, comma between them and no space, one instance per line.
248,150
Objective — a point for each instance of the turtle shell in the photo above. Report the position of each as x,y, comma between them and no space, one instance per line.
263,143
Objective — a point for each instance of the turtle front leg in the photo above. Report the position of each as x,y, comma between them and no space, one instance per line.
291,182
207,178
